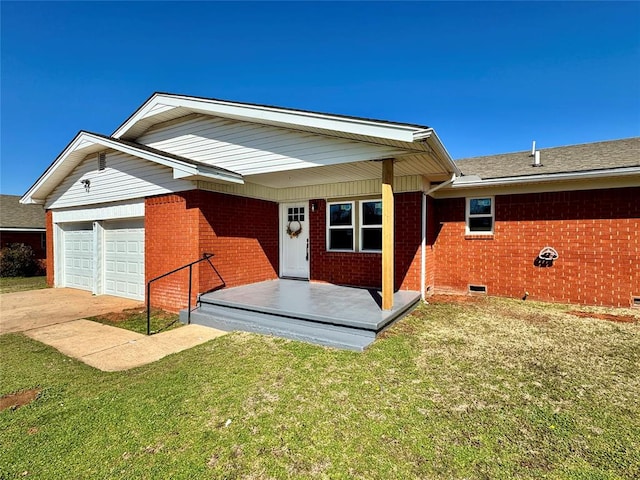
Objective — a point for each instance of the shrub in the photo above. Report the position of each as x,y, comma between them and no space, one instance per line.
18,260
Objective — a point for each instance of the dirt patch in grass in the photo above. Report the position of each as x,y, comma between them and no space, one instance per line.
19,399
455,298
605,316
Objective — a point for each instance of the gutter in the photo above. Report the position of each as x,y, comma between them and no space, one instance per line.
423,249
423,227
442,185
551,177
19,229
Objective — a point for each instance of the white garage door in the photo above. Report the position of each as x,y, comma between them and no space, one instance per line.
78,256
124,259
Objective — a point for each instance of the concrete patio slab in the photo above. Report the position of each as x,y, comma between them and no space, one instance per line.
22,311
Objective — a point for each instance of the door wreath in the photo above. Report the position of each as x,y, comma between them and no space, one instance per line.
294,232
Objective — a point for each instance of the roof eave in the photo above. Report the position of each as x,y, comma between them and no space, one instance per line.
38,192
551,177
200,173
30,198
23,229
442,155
273,115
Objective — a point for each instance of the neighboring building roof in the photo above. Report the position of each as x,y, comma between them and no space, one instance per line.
586,157
14,215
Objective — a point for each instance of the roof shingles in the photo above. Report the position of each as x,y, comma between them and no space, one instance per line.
574,158
15,215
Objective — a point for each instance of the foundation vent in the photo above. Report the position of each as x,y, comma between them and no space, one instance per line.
635,301
478,289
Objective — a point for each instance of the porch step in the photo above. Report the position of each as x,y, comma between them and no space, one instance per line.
228,318
326,314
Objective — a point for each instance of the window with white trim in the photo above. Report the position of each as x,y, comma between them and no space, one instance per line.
480,215
340,226
371,225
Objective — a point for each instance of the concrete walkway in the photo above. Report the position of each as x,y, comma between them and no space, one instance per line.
54,317
112,349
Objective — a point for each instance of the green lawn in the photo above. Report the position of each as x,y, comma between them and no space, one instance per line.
495,389
135,319
20,284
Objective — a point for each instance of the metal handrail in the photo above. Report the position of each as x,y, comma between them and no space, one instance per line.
205,256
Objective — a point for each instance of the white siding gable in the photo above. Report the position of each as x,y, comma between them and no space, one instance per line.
250,148
125,177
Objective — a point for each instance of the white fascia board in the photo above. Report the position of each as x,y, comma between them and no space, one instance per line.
552,177
86,139
263,114
442,154
19,229
77,143
203,173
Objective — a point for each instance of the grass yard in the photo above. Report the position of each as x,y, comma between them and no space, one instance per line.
21,284
490,389
135,319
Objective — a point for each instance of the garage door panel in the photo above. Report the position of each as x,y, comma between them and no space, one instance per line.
124,259
121,263
78,257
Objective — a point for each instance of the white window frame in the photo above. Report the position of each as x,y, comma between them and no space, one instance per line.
362,226
491,215
341,227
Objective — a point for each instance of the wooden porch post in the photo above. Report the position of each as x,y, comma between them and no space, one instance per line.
387,234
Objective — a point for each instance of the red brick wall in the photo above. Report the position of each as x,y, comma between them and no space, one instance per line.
179,228
596,234
365,269
243,235
171,240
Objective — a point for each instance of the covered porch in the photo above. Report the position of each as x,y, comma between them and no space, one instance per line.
337,316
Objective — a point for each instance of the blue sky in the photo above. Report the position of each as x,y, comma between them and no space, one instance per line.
489,77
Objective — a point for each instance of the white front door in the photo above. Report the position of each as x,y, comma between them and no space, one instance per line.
294,240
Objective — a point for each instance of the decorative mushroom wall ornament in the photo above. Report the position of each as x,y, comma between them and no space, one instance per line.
548,253
546,257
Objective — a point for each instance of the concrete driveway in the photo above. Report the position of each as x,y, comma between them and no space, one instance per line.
23,311
55,317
